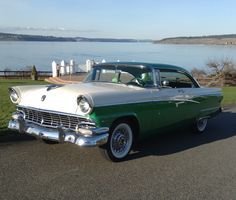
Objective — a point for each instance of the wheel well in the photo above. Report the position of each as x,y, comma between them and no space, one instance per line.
133,122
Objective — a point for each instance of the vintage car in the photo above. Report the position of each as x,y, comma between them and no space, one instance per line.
117,104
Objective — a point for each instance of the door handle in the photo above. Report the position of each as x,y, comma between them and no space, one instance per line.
181,91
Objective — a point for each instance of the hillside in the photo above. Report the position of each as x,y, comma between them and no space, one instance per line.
210,40
20,37
39,38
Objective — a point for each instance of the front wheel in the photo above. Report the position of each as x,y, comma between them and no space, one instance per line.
119,143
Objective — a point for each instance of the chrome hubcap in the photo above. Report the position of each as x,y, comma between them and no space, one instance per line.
201,124
121,140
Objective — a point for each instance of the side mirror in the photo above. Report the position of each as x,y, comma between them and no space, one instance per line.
165,83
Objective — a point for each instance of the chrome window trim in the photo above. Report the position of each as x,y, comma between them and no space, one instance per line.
156,76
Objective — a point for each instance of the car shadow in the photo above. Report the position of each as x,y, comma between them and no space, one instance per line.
219,128
7,136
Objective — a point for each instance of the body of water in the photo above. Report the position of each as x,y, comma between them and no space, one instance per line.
19,55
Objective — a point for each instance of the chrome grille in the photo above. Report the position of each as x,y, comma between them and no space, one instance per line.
53,119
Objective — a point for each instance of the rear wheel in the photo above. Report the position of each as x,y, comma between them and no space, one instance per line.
200,125
119,143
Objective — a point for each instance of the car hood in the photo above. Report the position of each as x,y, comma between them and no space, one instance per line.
63,98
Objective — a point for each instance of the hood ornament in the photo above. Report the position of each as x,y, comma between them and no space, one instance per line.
43,97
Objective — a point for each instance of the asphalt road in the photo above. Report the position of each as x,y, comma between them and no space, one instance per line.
177,165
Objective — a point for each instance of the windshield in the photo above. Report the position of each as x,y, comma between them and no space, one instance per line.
129,75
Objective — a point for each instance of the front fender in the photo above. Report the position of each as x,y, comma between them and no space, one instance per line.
107,118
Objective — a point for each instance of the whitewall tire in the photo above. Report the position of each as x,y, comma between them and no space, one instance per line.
120,142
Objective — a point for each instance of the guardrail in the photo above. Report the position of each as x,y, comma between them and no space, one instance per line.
24,74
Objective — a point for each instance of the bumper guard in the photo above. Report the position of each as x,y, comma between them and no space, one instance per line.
85,137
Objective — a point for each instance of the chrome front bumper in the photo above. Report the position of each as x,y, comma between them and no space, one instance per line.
83,137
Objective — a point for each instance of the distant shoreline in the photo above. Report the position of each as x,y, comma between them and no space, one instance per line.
8,37
207,40
229,39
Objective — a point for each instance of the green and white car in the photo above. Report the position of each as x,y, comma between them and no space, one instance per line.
116,105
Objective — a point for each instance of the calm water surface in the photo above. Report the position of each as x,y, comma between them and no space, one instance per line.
18,55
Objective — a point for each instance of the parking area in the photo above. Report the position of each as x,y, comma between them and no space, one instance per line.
177,165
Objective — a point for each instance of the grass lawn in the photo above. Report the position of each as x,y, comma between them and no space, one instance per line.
6,107
229,96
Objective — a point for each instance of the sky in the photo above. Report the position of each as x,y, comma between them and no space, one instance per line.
137,19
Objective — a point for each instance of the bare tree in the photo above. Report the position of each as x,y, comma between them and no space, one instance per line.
220,70
198,72
218,67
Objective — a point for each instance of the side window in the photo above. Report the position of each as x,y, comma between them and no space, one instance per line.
125,77
173,79
147,79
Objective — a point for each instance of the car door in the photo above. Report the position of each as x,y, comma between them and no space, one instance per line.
186,93
167,107
174,97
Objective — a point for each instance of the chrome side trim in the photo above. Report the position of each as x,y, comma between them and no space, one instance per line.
186,100
152,99
209,109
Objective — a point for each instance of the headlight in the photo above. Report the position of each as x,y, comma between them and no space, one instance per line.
14,96
84,105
